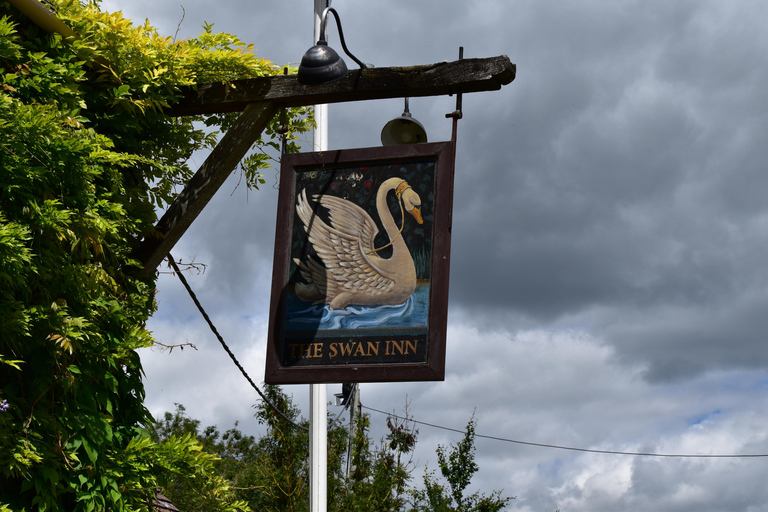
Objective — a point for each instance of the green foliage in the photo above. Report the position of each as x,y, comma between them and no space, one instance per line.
271,473
86,154
268,474
457,467
379,475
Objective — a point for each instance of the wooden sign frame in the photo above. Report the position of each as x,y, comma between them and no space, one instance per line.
345,304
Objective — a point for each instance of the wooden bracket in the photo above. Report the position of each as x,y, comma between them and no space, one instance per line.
259,100
203,185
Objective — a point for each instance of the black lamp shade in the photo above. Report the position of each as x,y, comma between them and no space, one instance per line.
321,65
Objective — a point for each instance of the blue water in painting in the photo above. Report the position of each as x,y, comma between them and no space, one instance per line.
413,312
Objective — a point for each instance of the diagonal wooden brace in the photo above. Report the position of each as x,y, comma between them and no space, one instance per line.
203,185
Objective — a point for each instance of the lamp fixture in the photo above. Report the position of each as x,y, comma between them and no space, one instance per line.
321,64
403,130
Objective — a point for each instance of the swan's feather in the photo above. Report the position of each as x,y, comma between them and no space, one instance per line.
342,246
349,218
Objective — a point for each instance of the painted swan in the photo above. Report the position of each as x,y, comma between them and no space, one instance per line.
352,272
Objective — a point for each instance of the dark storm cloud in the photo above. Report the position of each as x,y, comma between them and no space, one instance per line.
622,170
681,341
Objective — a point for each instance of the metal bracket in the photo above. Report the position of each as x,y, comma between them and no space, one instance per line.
456,114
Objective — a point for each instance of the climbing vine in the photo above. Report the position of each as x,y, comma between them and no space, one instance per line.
86,157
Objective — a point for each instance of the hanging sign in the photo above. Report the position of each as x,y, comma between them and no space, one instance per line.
362,250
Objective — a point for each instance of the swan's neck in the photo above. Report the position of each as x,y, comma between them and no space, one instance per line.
383,209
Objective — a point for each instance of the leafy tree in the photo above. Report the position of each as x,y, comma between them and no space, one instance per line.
271,473
379,474
86,154
457,467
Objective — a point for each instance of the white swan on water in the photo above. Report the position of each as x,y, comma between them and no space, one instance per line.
351,272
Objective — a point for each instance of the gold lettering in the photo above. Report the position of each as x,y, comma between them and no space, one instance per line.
304,350
354,349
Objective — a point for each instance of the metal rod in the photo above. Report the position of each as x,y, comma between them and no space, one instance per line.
457,114
324,33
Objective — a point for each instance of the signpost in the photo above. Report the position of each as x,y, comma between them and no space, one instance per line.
360,280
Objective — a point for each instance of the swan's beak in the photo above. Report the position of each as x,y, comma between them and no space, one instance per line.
416,212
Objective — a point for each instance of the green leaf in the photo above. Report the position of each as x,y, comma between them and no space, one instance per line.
93,455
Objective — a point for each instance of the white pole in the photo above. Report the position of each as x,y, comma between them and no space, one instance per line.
318,393
320,134
318,448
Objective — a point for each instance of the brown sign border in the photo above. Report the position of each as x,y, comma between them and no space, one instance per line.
434,367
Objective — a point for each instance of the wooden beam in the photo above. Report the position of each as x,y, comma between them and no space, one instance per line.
203,185
461,76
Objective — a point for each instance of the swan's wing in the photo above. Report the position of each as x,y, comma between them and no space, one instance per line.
342,246
349,218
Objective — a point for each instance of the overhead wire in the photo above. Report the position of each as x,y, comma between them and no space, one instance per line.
589,450
226,348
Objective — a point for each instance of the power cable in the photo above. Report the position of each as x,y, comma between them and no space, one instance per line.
638,454
226,348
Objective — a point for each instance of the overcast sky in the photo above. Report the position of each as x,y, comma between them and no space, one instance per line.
609,285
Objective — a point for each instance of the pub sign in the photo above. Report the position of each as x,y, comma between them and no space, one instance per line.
362,253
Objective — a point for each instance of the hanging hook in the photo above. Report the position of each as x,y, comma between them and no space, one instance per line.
457,114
